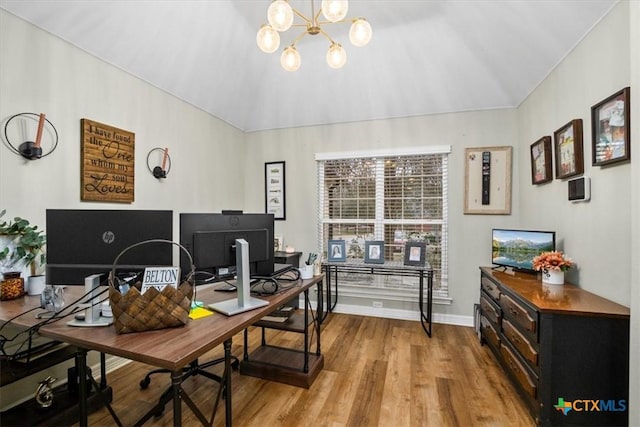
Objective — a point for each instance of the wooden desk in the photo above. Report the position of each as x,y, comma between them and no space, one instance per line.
172,348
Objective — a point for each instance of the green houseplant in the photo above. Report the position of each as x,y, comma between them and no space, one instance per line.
22,243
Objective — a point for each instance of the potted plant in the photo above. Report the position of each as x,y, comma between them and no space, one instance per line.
553,265
21,245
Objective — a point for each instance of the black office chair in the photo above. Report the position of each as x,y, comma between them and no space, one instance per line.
194,368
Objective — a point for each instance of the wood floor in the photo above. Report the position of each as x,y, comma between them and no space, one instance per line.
377,372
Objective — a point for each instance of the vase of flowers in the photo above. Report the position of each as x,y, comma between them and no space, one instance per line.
552,265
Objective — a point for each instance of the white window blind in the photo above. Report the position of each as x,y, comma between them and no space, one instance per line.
394,196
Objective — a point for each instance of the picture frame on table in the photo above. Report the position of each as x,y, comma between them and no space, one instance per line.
274,190
278,243
610,129
568,150
374,252
336,251
541,161
415,253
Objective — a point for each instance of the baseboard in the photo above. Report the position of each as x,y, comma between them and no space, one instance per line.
111,364
391,313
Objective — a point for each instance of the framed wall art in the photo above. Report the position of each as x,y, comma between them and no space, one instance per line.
374,252
414,253
568,149
107,168
487,183
336,251
274,180
610,129
541,170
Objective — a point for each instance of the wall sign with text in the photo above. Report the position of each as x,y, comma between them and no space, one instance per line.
108,163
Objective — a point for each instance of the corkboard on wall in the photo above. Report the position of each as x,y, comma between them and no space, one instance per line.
497,201
107,163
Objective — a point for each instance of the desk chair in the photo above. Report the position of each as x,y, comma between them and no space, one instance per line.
194,368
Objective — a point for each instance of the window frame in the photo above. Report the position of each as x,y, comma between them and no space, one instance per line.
441,293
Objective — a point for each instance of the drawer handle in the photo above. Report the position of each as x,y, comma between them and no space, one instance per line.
514,311
515,339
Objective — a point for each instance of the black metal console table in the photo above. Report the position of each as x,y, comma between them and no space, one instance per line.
389,268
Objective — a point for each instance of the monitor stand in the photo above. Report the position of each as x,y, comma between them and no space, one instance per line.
244,302
92,315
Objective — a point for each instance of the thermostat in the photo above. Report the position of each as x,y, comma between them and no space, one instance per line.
579,189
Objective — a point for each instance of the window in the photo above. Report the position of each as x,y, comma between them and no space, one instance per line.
394,196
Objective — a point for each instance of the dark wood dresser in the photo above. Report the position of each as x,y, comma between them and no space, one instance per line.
565,349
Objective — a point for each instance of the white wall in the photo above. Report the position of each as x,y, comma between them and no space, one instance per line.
595,233
603,234
634,363
41,73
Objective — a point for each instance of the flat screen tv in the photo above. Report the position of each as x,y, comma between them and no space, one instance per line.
517,248
83,242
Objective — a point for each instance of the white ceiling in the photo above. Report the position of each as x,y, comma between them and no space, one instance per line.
426,57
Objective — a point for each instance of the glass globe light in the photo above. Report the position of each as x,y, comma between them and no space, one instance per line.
336,56
268,39
334,10
360,32
290,59
280,15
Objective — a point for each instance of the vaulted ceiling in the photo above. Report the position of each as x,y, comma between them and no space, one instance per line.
426,57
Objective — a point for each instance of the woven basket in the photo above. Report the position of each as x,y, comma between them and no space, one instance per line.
136,312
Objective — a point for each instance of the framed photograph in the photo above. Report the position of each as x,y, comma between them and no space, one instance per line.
487,183
374,252
568,149
336,251
274,201
541,161
414,253
278,243
610,129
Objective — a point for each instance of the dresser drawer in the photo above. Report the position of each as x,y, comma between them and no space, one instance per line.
520,342
490,310
528,383
490,288
489,333
519,314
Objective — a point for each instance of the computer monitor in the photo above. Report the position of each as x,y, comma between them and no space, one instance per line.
243,302
210,239
81,243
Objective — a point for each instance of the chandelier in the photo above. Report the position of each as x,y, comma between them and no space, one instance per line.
281,15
